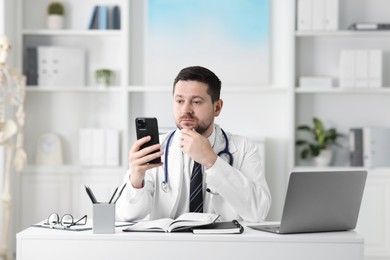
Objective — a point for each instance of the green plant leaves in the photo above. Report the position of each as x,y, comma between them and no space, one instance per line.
55,8
321,138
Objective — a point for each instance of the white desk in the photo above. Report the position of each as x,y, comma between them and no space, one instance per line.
40,243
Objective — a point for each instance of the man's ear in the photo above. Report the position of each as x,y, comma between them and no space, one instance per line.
218,107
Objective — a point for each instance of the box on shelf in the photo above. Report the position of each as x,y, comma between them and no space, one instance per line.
315,82
61,66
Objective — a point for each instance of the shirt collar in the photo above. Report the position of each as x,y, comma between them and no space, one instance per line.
212,137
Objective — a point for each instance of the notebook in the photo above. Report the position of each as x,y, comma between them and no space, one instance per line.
320,201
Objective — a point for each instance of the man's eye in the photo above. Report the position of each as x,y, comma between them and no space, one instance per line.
179,101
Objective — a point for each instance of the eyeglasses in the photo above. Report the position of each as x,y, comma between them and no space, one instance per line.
66,220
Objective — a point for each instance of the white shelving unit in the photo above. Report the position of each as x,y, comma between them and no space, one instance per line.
64,110
318,54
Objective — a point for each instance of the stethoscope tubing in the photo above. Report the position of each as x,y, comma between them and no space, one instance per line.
164,184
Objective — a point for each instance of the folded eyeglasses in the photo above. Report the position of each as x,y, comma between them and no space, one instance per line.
66,221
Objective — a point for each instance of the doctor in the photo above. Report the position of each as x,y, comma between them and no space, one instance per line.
232,183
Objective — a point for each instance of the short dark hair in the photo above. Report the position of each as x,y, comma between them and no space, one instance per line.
201,74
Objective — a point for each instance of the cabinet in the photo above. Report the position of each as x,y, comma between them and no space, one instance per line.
44,190
317,53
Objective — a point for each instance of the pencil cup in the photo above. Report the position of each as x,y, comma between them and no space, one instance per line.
103,218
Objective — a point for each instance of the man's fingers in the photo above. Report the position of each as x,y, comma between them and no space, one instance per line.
189,132
137,145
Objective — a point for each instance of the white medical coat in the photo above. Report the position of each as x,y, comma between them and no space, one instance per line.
239,192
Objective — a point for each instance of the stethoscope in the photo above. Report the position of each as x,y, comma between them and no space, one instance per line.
164,183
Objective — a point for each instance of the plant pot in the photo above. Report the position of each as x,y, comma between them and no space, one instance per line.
55,22
324,158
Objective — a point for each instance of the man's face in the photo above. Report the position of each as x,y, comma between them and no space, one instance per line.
193,108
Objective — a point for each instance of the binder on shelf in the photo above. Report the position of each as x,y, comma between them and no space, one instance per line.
99,147
103,17
304,15
318,15
85,148
376,146
347,68
31,66
375,73
98,155
361,69
356,147
111,147
93,23
116,18
331,15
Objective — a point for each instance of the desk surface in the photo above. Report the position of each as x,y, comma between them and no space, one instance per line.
40,243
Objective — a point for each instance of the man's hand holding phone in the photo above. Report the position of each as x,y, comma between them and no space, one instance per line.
139,158
145,153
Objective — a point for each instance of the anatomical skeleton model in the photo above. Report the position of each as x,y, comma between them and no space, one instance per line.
12,94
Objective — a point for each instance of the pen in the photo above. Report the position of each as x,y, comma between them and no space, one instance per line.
90,194
113,195
120,193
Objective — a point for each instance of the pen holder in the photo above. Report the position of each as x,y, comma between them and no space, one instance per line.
103,218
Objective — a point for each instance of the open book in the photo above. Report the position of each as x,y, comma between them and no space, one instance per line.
185,221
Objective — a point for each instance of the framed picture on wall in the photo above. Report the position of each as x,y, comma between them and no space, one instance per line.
230,37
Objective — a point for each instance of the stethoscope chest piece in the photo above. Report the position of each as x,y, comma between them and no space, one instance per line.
165,186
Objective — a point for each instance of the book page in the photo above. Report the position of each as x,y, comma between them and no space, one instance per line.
192,219
152,225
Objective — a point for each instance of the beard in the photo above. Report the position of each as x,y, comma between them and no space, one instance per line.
200,127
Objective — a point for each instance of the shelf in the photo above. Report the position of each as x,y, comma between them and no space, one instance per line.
225,89
74,89
84,33
379,171
345,33
69,169
155,89
347,91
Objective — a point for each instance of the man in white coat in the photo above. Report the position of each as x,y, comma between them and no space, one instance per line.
234,188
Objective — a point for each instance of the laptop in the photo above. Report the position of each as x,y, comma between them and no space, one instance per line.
320,201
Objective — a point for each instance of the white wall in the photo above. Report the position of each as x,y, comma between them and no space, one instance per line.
254,114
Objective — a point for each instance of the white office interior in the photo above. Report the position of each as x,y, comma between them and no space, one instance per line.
316,65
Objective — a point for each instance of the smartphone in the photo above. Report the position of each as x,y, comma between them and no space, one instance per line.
148,126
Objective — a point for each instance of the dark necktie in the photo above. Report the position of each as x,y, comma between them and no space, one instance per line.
196,189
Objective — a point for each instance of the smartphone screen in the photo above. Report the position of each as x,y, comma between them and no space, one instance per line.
147,126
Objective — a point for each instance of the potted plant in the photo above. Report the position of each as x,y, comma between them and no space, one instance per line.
318,145
55,15
104,77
